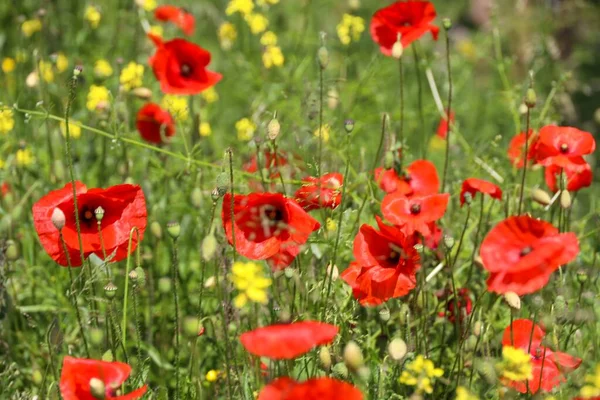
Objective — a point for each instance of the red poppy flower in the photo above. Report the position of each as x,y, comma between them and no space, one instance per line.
522,252
268,226
153,123
4,188
554,363
273,164
442,130
557,144
474,185
517,147
409,19
180,66
288,341
416,213
178,16
79,374
463,300
385,267
578,174
285,388
327,194
124,208
420,178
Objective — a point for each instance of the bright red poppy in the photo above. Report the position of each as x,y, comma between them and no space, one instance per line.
274,165
442,130
180,66
522,252
414,214
326,194
288,341
474,186
516,148
386,264
419,178
123,207
154,124
558,144
178,16
4,188
268,226
463,300
285,388
79,375
408,19
528,337
578,174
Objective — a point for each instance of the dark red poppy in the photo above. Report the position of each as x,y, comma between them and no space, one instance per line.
442,130
327,194
180,66
386,264
154,124
268,226
517,147
578,175
79,375
419,178
474,186
558,144
285,388
522,252
463,300
178,16
528,337
414,214
288,341
408,19
123,207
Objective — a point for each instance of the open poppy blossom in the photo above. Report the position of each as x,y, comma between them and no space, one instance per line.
578,174
268,226
409,19
522,252
119,208
178,16
180,66
288,341
442,130
474,186
274,164
419,178
85,379
326,194
416,213
285,388
154,124
385,267
463,300
548,366
558,144
516,148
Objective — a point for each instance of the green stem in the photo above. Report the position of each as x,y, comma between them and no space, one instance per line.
127,269
175,279
401,132
320,150
525,163
420,98
447,156
232,191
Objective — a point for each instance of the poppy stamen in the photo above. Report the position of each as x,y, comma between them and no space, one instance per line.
415,209
525,251
564,148
186,70
87,214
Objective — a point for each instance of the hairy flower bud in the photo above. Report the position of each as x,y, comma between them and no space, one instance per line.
353,356
530,98
323,57
565,199
273,128
58,218
513,300
397,50
540,196
325,357
97,388
209,247
397,349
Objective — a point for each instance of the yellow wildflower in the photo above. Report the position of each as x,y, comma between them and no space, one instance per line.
131,76
157,30
1,163
592,387
210,95
326,129
516,364
74,129
204,129
177,106
248,278
331,225
245,129
46,71
93,16
227,35
420,373
7,122
350,28
269,38
31,26
273,57
8,65
102,69
263,3
257,22
212,375
463,393
24,158
62,62
244,7
97,98
148,5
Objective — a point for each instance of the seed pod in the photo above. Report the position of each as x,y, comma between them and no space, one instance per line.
99,213
582,277
325,357
384,314
353,356
110,290
513,300
397,349
447,23
349,125
156,229
323,57
565,199
540,196
530,98
174,229
448,242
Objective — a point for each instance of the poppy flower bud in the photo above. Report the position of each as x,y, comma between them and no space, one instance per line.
142,93
530,98
12,250
353,356
190,326
97,388
209,247
156,229
133,275
448,242
222,183
323,56
37,377
513,300
325,357
333,99
560,304
397,349
210,282
174,229
397,50
107,356
99,213
477,328
110,290
332,270
340,370
384,314
273,128
349,125
565,199
537,303
468,198
140,276
447,23
470,343
540,196
196,197
388,160
96,336
215,195
582,277
164,285
58,218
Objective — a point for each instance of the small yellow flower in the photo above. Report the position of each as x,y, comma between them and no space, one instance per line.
74,129
93,16
7,122
97,98
102,69
1,164
31,26
24,158
8,65
273,57
227,35
516,364
326,129
463,393
62,62
244,7
263,3
250,281
420,373
269,38
245,129
148,5
258,23
46,71
592,387
157,30
212,375
177,106
331,225
204,129
210,95
350,28
131,76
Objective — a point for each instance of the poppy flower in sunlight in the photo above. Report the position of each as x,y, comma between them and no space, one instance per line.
577,172
558,144
178,16
419,178
268,226
386,264
463,301
84,379
154,124
326,194
516,148
180,66
409,19
288,341
442,130
285,388
106,218
474,186
522,252
547,366
416,213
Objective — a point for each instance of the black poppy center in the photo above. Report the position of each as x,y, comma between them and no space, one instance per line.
407,177
564,148
415,209
87,216
394,257
185,70
526,251
273,214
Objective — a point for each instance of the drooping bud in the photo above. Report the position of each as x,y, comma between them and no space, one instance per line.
325,357
97,388
397,349
58,218
565,199
353,356
273,128
174,229
448,242
222,183
540,196
513,300
110,290
530,98
141,276
99,213
133,275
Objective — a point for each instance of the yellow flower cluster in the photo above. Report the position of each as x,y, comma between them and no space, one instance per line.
92,16
46,72
245,129
420,373
102,69
204,129
515,365
212,375
257,22
592,387
177,106
325,129
24,157
157,30
463,393
272,55
74,129
31,26
8,65
210,95
62,62
243,7
248,278
227,35
148,5
97,98
131,76
264,3
7,122
350,28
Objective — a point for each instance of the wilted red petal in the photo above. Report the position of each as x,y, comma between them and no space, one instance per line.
442,130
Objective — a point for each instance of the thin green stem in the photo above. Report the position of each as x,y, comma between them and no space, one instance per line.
420,98
447,156
526,150
401,131
321,130
175,279
127,269
232,192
